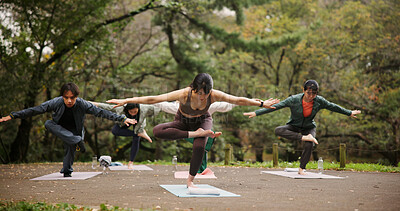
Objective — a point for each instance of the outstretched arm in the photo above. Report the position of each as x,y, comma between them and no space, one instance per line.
243,101
171,96
285,103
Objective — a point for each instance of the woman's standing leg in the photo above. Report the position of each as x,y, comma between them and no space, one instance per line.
118,131
307,150
199,145
134,147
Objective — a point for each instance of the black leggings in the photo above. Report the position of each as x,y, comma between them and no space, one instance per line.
118,131
179,129
294,133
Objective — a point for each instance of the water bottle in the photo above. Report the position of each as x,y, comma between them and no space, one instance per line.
320,165
175,163
94,162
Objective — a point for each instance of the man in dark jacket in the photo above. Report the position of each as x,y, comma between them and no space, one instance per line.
301,126
68,117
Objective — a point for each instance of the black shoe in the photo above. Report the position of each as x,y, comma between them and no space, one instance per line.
67,175
81,147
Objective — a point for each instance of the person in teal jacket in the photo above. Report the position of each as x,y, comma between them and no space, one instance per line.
301,125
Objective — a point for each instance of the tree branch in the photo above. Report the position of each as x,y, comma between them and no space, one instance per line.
150,5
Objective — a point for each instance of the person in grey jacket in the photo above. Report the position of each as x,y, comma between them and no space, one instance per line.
139,112
68,117
301,126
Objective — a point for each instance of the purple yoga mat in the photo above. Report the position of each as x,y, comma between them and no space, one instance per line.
75,176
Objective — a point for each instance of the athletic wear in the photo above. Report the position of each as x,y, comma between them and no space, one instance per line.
295,104
187,108
179,129
302,120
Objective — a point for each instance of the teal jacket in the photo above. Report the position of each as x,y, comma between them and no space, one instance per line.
295,104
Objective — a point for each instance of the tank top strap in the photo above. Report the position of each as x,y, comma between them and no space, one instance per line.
189,97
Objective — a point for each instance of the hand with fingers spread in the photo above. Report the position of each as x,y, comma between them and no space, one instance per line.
354,113
130,121
270,102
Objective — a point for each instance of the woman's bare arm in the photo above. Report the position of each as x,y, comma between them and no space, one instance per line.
243,101
171,96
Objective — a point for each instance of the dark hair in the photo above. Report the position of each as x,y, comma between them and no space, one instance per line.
202,81
130,106
311,84
69,87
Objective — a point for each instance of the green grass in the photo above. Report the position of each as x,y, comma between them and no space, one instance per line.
39,206
22,205
362,167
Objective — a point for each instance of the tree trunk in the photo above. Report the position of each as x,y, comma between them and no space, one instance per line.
259,153
19,148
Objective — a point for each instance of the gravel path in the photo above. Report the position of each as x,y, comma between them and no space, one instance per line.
140,189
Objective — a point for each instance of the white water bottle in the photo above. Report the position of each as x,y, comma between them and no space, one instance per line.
94,162
320,165
175,163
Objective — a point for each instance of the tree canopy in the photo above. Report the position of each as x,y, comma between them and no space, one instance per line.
253,48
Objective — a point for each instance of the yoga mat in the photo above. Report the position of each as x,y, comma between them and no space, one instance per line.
295,175
75,176
293,170
182,191
135,167
185,174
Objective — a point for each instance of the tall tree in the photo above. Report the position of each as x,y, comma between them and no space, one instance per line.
38,38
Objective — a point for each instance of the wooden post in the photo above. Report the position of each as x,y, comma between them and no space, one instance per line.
275,154
228,153
342,151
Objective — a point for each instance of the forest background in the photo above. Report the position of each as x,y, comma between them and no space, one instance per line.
251,48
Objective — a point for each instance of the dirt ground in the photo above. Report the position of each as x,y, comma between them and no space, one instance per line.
141,190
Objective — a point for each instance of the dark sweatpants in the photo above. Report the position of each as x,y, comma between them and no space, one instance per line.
179,129
118,131
70,140
294,133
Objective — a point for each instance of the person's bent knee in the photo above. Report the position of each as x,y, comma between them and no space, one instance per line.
279,131
114,131
157,131
48,124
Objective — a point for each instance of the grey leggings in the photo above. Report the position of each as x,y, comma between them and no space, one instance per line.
294,133
179,129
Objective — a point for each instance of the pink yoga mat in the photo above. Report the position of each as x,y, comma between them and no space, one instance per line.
185,174
75,176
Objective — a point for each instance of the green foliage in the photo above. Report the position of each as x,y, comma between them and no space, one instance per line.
266,49
362,167
34,206
262,47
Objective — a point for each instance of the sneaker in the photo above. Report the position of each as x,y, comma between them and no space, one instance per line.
67,175
81,147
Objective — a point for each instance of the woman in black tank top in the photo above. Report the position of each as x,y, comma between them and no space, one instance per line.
192,119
